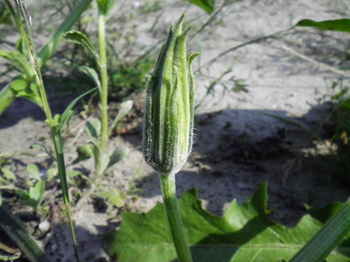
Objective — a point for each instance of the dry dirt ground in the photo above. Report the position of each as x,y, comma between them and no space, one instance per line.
237,146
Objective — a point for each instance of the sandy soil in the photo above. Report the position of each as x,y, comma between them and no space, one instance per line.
237,146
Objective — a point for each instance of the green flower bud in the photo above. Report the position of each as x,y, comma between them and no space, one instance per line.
168,127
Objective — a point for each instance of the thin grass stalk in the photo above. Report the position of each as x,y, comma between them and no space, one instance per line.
102,154
327,238
104,81
173,214
54,125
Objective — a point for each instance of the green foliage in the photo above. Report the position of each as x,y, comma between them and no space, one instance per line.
128,77
93,128
80,38
341,25
327,238
207,5
244,233
105,6
115,197
125,108
19,61
5,15
92,74
35,194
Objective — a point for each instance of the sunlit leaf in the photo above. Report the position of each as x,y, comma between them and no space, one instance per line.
244,233
37,192
84,153
34,171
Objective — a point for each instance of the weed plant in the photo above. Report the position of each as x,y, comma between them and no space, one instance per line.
184,231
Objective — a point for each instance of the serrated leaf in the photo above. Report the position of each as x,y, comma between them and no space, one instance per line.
78,37
207,5
244,233
341,25
115,197
125,107
93,128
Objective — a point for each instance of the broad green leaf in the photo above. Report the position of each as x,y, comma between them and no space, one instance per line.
92,74
244,233
37,192
207,5
78,37
19,85
125,107
115,197
20,88
104,6
341,25
93,128
34,171
84,153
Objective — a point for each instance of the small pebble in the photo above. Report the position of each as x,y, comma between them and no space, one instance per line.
44,226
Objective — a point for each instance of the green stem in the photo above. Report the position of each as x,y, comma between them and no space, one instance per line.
174,217
104,82
57,139
53,123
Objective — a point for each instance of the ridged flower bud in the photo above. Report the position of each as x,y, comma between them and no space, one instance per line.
168,125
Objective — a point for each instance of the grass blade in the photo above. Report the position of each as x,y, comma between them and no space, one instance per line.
329,237
16,231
